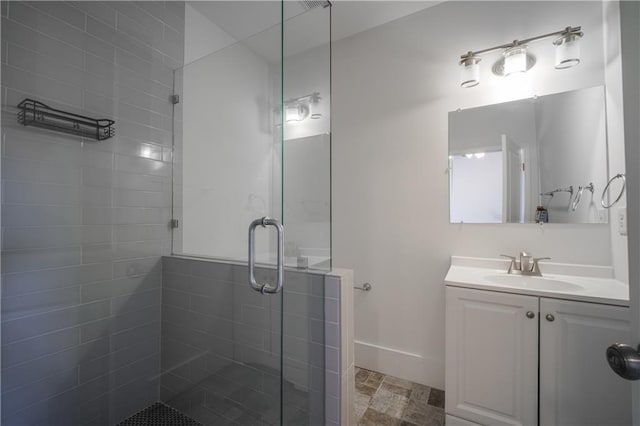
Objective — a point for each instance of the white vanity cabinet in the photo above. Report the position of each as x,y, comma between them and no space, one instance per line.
491,357
577,387
511,356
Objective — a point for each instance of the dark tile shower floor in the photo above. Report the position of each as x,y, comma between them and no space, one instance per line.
381,400
229,397
159,415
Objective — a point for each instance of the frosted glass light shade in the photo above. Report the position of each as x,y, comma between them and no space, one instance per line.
297,112
470,71
292,113
515,60
567,51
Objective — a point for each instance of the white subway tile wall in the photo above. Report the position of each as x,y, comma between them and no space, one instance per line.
85,223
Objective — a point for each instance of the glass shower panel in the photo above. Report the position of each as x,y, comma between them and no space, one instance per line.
225,148
306,210
307,136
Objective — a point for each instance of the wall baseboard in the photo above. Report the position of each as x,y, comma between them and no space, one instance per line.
405,365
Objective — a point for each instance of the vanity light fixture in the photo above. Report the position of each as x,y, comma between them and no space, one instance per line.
301,108
296,112
515,58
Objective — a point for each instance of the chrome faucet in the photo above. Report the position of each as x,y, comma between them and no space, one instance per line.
527,265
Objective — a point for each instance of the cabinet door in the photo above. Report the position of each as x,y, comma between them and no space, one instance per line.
576,385
492,357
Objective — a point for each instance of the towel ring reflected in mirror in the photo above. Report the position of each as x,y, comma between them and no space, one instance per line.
606,190
578,197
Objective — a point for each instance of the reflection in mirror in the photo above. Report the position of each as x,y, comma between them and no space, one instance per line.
533,160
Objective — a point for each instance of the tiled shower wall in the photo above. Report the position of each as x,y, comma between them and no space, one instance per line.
221,344
84,223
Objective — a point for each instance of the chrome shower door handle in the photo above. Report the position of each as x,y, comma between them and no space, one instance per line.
252,253
280,265
266,288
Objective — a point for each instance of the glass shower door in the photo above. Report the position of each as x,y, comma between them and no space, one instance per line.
251,191
221,334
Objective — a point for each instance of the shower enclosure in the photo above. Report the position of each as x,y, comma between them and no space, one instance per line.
251,208
131,282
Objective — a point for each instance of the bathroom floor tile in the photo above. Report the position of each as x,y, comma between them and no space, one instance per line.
432,416
398,382
436,398
395,389
420,392
366,390
361,375
374,379
386,400
372,417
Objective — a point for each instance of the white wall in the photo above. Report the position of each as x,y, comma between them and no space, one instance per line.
227,142
202,36
393,87
571,132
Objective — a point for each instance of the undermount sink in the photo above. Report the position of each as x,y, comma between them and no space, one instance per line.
533,283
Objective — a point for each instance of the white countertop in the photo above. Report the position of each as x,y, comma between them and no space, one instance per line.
596,283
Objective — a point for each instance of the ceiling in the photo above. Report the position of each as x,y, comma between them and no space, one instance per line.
351,17
243,19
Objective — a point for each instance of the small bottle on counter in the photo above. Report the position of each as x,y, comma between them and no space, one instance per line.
542,215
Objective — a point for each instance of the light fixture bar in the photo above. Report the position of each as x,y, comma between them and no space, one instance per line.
311,98
567,30
516,60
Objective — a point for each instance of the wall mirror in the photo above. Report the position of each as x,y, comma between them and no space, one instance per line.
517,162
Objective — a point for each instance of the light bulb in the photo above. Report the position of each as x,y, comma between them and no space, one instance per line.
515,59
479,154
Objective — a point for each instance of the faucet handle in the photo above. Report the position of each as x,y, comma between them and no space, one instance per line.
535,269
512,265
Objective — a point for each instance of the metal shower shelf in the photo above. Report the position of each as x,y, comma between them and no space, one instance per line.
34,113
